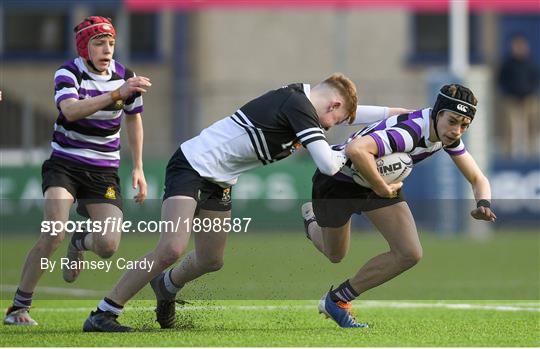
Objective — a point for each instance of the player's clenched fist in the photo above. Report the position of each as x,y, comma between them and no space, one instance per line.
133,85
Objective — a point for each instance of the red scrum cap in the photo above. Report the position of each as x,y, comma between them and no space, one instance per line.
89,28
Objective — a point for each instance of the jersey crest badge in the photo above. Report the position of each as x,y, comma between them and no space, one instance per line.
226,197
110,193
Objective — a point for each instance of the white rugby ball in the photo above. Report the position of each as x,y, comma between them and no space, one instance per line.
393,168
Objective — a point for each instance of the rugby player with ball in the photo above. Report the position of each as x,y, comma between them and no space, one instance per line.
380,157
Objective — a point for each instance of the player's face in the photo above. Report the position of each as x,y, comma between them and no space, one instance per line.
451,127
333,117
101,50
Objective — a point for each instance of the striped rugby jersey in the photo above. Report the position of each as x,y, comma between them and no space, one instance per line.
94,140
405,133
266,129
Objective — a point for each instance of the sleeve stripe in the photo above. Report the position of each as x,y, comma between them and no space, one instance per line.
64,80
314,135
136,110
313,139
380,144
455,152
65,73
134,104
311,134
66,96
311,129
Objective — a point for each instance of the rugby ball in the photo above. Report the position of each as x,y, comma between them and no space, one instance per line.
393,168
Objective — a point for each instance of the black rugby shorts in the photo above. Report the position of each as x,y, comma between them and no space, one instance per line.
335,201
87,184
182,179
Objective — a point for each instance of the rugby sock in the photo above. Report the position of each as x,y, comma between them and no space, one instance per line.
109,305
77,240
22,299
306,225
169,284
344,293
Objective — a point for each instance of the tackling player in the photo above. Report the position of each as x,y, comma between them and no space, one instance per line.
92,92
335,198
201,173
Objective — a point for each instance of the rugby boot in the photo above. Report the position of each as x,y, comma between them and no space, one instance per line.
19,317
104,322
309,217
338,311
165,303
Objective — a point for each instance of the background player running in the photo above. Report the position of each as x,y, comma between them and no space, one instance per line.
336,198
201,173
92,92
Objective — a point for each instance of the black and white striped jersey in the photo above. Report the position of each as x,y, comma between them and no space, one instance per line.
266,129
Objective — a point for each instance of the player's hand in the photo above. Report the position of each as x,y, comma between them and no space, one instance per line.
138,181
339,158
389,191
484,214
133,85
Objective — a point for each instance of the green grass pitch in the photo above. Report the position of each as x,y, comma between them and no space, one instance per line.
463,293
290,323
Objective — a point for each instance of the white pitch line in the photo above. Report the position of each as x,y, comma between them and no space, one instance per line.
78,292
527,306
360,305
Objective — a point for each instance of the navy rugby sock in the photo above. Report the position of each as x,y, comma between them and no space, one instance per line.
77,240
344,293
22,299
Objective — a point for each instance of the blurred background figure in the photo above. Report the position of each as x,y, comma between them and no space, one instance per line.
518,80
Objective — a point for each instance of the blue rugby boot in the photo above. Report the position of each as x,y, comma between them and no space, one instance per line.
338,311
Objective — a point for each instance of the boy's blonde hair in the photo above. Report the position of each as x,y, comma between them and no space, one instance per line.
347,90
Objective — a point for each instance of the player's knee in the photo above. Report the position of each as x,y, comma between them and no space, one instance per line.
106,250
50,243
410,256
168,256
335,258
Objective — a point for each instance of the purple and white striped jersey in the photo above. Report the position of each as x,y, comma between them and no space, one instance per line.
405,133
94,140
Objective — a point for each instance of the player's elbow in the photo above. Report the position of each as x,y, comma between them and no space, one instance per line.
69,114
69,110
481,181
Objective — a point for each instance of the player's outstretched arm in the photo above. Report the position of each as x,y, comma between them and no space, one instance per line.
480,186
75,109
135,138
368,114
